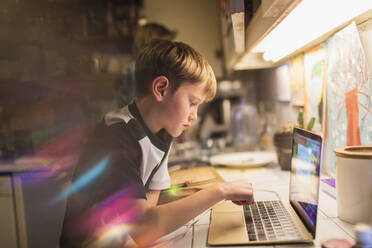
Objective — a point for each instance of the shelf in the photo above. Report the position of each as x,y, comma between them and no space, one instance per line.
84,78
15,92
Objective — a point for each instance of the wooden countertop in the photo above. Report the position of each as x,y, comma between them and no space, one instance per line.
17,168
24,164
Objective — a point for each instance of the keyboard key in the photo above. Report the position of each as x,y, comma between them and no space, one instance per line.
252,237
269,220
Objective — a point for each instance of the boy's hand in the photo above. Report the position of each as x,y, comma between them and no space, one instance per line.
239,192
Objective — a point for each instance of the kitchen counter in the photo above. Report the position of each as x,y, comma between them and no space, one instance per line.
12,224
270,183
21,167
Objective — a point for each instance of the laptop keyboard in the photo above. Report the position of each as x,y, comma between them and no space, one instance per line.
269,220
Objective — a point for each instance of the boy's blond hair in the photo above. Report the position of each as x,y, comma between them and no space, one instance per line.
177,61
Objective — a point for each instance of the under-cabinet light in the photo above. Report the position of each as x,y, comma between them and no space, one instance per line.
308,21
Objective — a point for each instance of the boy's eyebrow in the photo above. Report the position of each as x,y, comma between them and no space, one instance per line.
196,98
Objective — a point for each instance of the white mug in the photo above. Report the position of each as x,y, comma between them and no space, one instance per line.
354,183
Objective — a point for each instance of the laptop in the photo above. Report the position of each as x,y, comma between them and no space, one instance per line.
276,222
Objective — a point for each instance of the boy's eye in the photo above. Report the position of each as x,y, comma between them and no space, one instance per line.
194,104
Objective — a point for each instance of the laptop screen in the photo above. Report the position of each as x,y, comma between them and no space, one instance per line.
304,179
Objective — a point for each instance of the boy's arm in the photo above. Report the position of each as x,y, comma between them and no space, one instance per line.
158,221
152,197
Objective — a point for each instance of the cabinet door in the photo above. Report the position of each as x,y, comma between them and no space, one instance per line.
8,237
5,186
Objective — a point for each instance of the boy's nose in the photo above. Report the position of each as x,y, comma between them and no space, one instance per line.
193,116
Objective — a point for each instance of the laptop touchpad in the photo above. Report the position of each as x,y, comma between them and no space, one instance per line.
227,228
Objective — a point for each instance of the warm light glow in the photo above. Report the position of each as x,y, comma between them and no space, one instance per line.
307,22
116,231
113,235
173,190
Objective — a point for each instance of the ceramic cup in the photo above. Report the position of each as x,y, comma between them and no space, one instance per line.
354,183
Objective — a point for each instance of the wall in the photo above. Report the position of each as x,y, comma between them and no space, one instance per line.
267,82
283,112
197,23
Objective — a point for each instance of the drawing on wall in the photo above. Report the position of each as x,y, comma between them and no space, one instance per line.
297,73
349,91
315,71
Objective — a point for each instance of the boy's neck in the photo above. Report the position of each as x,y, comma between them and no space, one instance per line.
149,113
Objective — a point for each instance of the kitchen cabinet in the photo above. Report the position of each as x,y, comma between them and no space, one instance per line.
29,214
12,219
8,234
260,20
44,215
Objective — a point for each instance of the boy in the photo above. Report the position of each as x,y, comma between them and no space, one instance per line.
119,176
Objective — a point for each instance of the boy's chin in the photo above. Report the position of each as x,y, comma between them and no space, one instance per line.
175,134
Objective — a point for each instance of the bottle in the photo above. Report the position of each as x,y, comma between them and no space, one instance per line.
264,138
244,126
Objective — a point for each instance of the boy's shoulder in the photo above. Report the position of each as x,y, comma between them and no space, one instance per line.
120,125
126,124
119,115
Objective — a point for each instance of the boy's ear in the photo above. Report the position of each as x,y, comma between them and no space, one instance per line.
160,86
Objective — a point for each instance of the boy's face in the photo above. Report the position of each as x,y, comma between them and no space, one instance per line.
181,107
